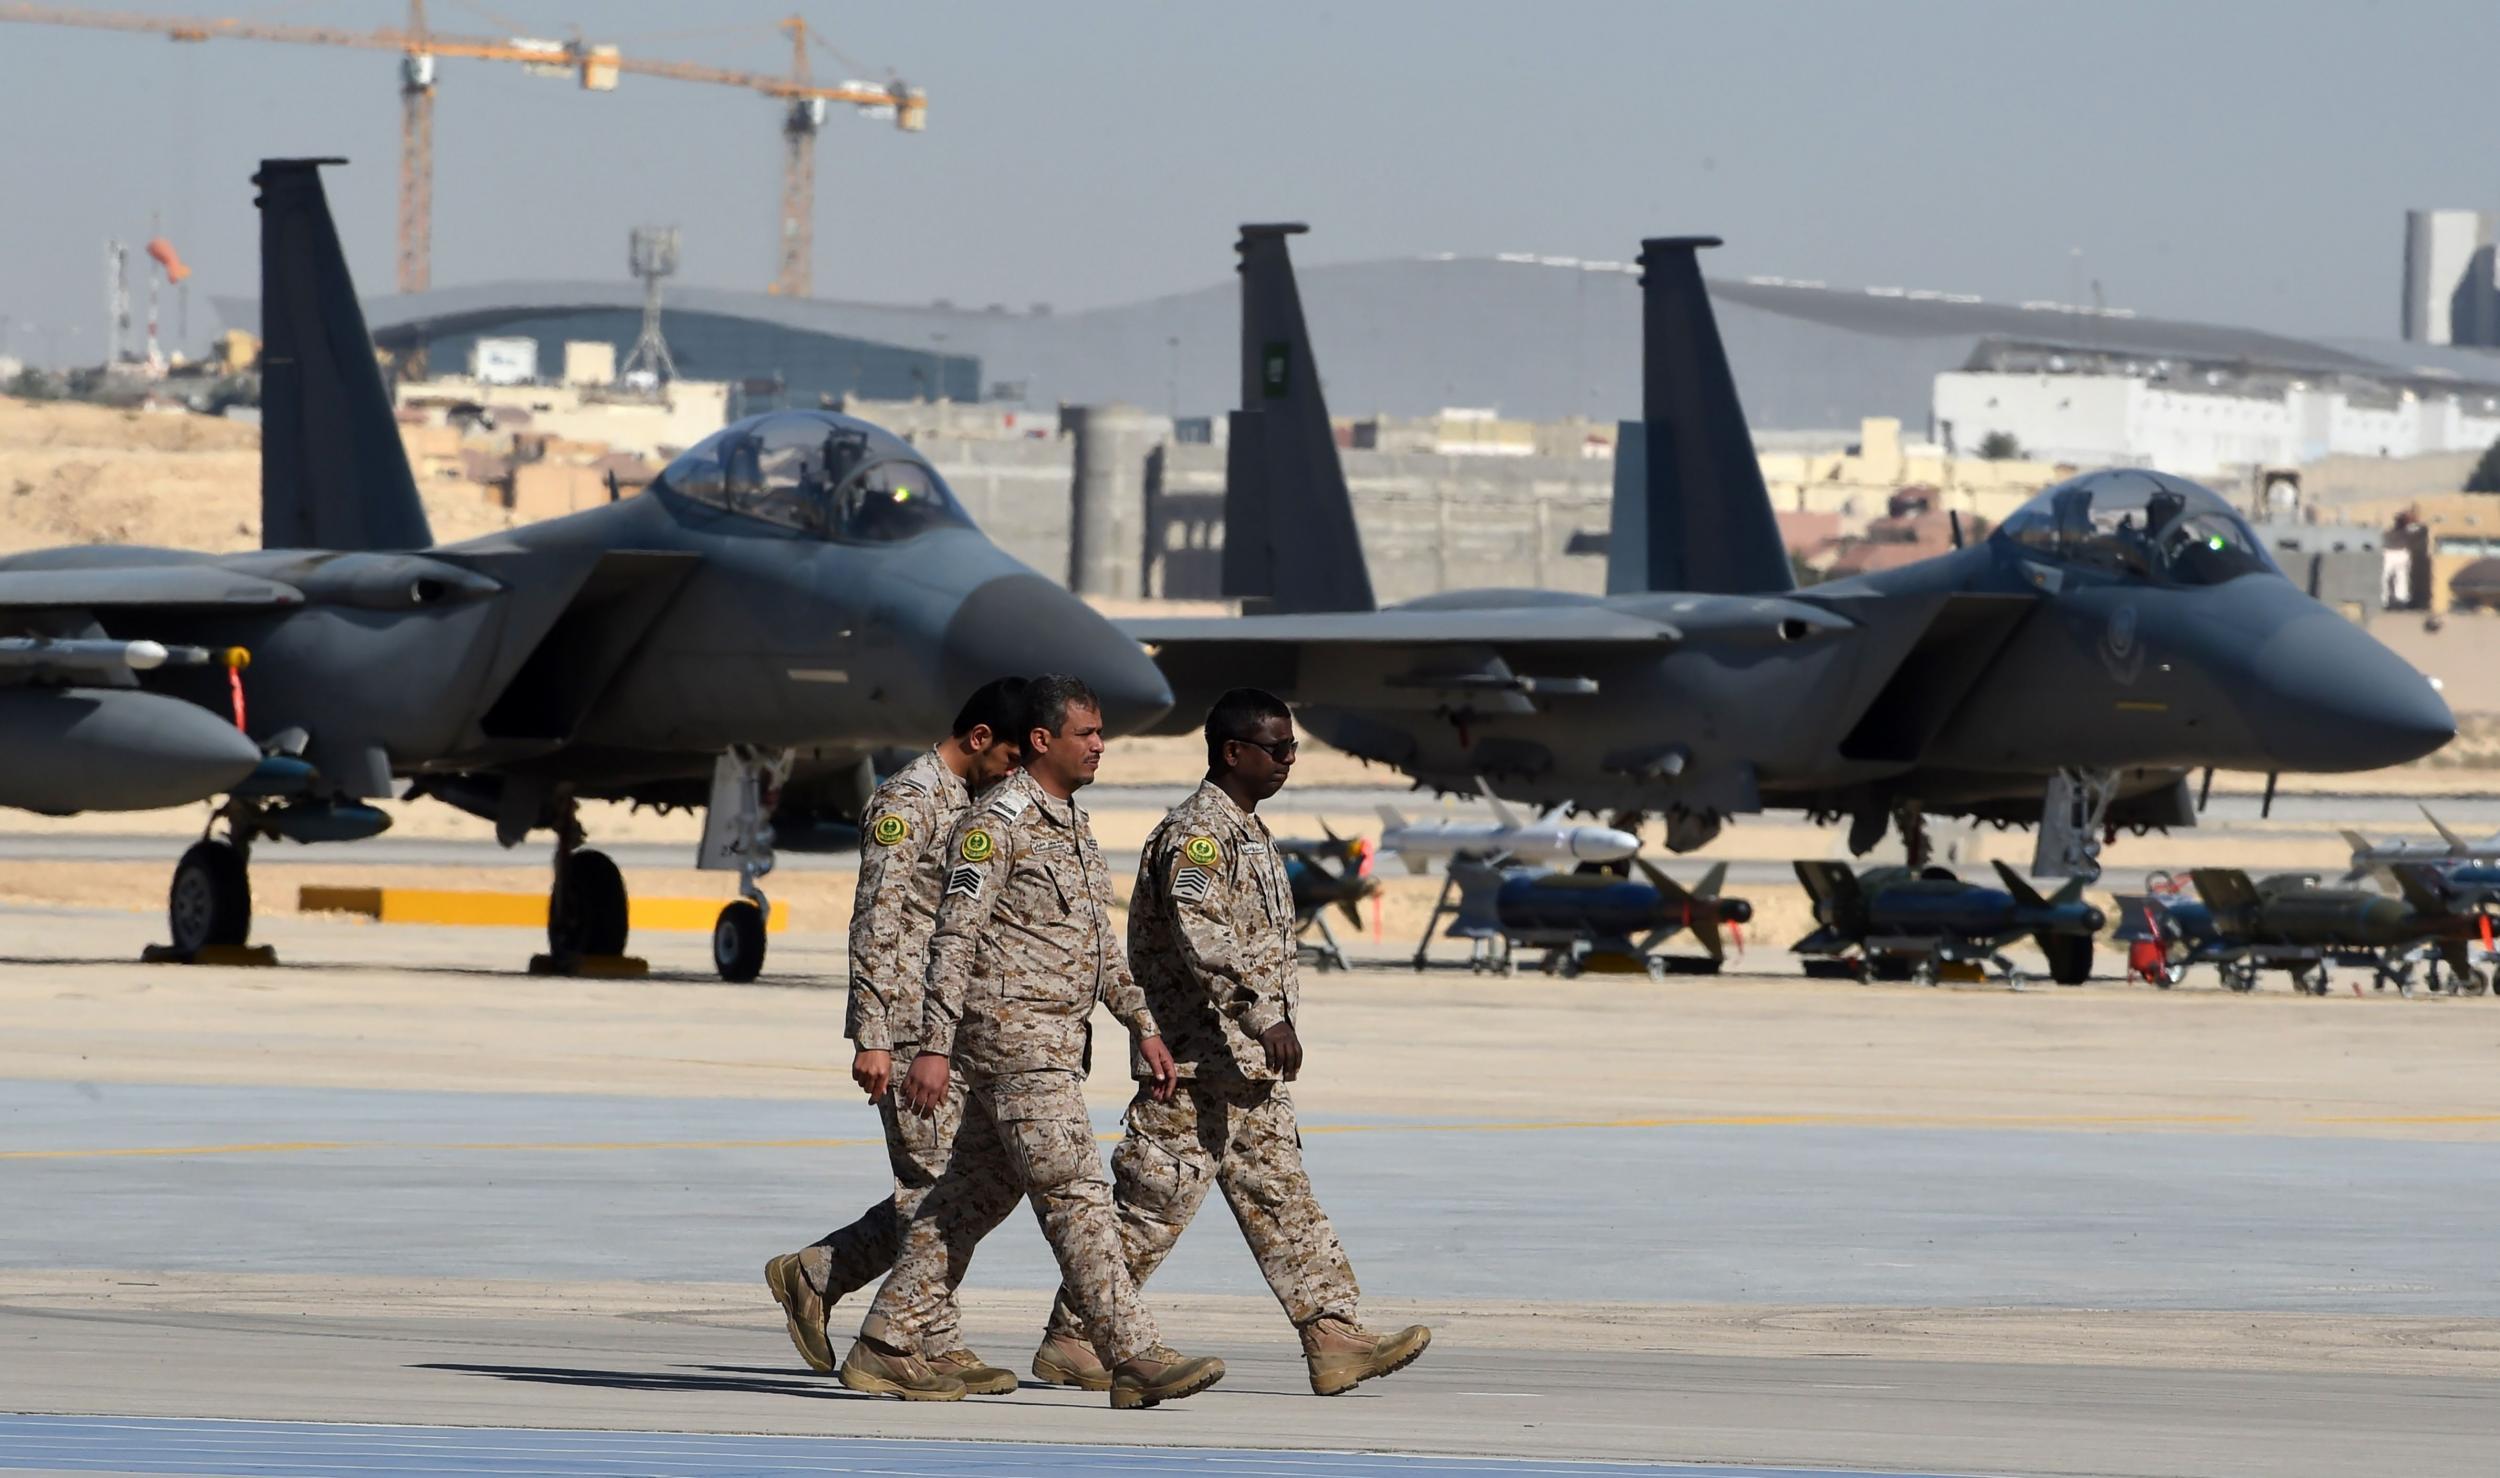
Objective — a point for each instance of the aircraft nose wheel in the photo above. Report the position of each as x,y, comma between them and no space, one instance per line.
210,902
586,911
738,942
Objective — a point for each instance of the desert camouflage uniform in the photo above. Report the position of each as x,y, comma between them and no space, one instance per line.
1211,941
902,870
1023,950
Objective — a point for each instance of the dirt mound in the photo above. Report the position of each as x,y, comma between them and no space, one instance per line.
84,474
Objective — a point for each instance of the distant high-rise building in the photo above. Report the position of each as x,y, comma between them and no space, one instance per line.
2452,294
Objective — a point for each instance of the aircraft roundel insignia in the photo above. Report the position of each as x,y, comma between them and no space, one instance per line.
890,829
1201,850
978,846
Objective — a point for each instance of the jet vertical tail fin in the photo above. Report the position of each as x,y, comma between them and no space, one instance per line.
2456,844
1289,530
1691,512
332,471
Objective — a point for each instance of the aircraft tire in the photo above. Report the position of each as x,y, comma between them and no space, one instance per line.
738,942
210,902
586,910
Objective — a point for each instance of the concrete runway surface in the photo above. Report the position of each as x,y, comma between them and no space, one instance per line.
363,1219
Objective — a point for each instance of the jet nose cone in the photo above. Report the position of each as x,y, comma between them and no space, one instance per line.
1020,625
2329,697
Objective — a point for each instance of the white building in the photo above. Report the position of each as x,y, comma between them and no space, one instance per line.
2205,424
2451,293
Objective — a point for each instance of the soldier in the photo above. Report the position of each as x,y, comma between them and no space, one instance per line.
1210,933
902,869
1021,953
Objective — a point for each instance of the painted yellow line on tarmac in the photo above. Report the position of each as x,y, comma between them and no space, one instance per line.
1511,1126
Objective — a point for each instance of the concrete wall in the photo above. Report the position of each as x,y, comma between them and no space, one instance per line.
1430,522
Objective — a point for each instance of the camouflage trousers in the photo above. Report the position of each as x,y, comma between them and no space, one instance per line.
1024,1136
843,1262
1240,1135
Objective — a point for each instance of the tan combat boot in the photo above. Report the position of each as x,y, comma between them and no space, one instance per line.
881,1370
1161,1374
1065,1360
980,1378
802,1311
1343,1355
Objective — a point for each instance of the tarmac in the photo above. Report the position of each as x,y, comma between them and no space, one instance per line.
393,1207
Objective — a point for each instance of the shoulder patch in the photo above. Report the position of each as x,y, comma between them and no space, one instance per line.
963,880
1192,884
1202,851
978,845
890,829
1012,804
906,780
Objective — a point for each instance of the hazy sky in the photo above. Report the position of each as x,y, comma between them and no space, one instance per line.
2243,162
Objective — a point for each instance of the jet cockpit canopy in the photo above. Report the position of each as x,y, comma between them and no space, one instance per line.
2141,525
827,475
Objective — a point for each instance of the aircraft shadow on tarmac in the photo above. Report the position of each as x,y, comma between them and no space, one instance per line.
710,1378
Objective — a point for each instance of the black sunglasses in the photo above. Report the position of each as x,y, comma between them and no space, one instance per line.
1282,751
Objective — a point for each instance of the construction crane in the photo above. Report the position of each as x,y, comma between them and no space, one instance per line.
598,67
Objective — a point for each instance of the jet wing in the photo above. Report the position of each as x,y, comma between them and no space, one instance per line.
1500,627
1491,660
130,586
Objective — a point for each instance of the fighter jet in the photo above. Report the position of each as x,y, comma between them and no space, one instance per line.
1904,924
1551,837
2290,922
790,594
2118,632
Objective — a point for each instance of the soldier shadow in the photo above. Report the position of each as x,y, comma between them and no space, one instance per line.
754,1380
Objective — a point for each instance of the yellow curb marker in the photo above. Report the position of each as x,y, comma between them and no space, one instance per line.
510,910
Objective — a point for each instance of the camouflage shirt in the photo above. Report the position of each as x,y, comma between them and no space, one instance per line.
1210,935
902,870
1023,947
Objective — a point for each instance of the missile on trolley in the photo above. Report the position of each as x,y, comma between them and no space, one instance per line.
1899,920
1550,837
1616,914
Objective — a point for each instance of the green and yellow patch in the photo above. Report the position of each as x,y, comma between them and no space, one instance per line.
889,830
1201,851
977,846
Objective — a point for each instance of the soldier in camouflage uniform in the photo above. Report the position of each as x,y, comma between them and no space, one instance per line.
1021,953
902,870
1211,942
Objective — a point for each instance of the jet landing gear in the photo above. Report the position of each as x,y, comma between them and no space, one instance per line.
738,834
209,906
2073,820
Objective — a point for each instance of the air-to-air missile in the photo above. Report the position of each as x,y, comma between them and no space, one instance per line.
1603,920
1551,837
2369,857
2290,922
1335,873
1905,925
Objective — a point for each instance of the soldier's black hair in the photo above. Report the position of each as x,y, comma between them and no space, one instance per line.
1047,700
997,704
1236,714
